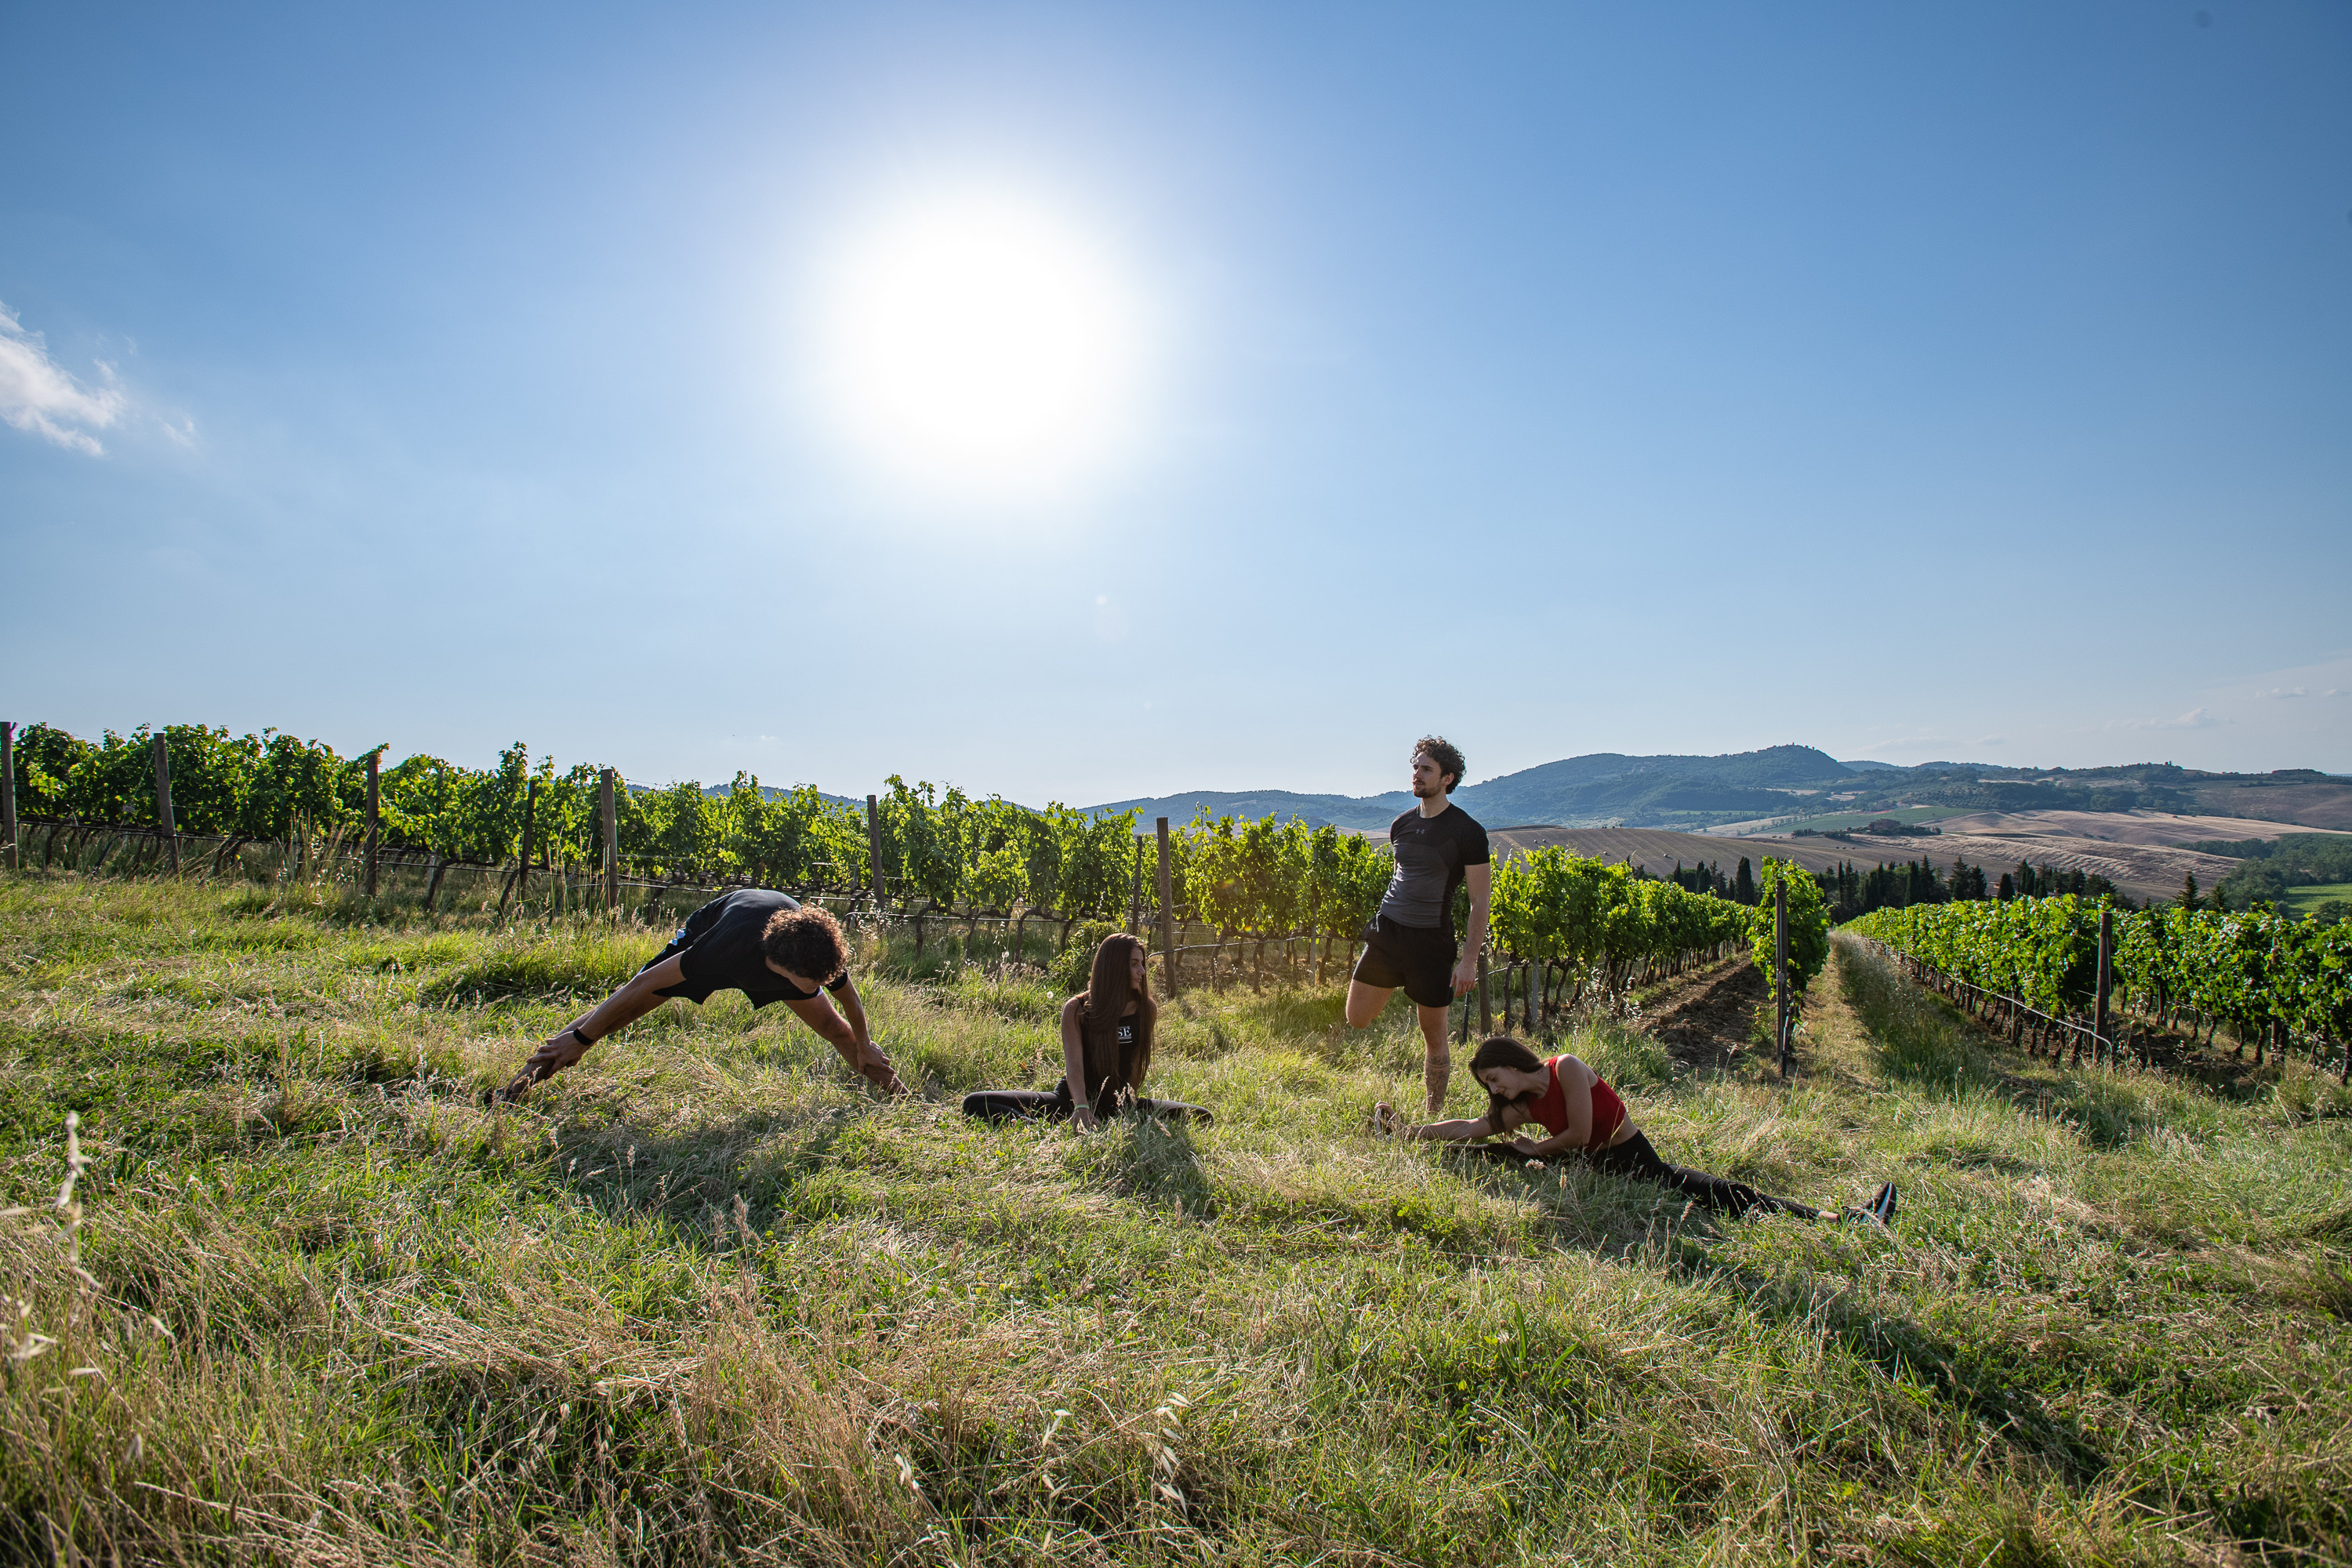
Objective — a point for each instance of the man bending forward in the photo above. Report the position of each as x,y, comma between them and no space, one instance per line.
763,943
1439,848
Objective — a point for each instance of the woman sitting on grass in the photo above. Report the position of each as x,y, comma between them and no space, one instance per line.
1586,1118
770,947
1106,1047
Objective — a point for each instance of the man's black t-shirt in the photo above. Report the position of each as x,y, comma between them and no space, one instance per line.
1431,852
718,949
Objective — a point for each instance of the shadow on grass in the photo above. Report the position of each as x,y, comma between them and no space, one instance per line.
1968,1380
1148,1159
795,1167
779,1165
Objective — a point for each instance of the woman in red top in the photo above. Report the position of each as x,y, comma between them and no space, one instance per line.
1584,1117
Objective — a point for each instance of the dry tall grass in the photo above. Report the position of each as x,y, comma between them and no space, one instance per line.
705,1300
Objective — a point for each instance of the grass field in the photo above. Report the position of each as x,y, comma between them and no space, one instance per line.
2306,899
702,1299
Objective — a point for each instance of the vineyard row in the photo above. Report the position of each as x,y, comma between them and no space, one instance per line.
2282,985
1575,930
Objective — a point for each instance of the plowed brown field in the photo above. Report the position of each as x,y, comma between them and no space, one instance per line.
2143,870
2122,826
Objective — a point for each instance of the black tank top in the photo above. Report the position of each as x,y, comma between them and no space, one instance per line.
1123,1036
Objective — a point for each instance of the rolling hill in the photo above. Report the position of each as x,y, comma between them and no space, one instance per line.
1781,784
1586,790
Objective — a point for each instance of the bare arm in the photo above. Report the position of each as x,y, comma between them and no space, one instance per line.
1576,1081
849,1035
1074,1066
1464,1131
1480,880
1455,1131
638,995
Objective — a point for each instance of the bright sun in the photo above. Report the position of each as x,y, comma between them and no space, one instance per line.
980,348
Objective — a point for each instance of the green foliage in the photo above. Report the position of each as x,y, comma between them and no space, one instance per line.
249,786
2253,969
1269,878
2250,883
2314,856
944,847
1075,968
1607,925
1809,925
2298,857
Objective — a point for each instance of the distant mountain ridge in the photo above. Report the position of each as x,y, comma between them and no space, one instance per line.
1574,792
1779,785
1788,784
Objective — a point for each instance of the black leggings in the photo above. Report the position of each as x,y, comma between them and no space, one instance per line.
1042,1105
1636,1160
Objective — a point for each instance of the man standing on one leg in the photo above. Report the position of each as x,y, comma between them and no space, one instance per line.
1410,942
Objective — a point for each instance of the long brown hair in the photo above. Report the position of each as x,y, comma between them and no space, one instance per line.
1109,988
1502,1051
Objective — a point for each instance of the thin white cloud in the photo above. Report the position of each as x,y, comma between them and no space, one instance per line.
40,398
2195,719
2278,693
1990,740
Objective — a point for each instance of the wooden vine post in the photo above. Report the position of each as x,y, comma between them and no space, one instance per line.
529,822
874,849
1167,911
611,840
1485,1013
375,768
1135,893
522,877
8,795
1781,966
163,804
2106,979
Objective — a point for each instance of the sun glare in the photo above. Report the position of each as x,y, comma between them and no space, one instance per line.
981,348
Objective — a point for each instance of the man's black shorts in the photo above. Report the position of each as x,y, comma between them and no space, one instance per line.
1418,959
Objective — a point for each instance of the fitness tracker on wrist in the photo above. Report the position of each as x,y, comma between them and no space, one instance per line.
585,1041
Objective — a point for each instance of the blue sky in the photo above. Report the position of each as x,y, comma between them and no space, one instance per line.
1911,381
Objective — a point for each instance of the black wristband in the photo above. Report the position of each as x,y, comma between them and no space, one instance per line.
585,1041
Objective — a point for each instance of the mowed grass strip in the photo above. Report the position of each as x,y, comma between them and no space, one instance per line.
705,1298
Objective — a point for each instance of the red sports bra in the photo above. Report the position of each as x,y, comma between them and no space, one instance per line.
1608,1109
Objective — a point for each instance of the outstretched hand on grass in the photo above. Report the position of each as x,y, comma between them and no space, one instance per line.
554,1053
874,1065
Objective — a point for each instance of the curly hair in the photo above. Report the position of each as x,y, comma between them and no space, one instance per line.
1445,754
808,941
